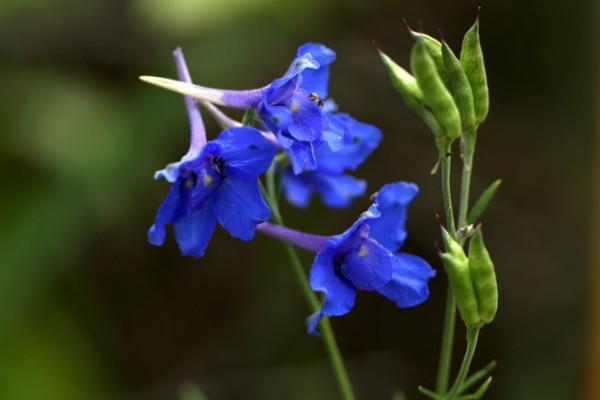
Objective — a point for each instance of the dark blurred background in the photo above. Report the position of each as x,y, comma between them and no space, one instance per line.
89,310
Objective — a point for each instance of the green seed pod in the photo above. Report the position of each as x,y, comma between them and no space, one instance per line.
436,95
471,58
483,276
434,49
456,265
404,83
460,88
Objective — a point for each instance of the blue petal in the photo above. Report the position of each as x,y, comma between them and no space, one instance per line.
281,91
364,139
301,64
276,117
338,134
369,267
339,292
308,120
194,231
174,206
246,150
313,322
392,203
302,155
297,188
239,207
337,190
316,80
408,286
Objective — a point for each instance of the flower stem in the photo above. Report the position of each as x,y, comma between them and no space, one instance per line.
445,159
465,186
450,312
472,335
310,297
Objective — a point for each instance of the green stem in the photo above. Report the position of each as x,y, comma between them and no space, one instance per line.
310,297
447,340
472,335
465,184
445,160
450,312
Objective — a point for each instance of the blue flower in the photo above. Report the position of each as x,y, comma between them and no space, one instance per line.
219,184
329,179
291,106
214,181
365,257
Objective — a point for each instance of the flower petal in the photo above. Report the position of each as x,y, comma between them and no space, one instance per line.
239,207
392,203
193,232
302,155
174,206
408,286
339,292
281,91
246,149
364,138
313,322
316,80
338,190
308,120
301,64
337,135
369,267
297,188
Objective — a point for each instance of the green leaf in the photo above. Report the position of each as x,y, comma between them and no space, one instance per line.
483,201
429,393
477,376
479,393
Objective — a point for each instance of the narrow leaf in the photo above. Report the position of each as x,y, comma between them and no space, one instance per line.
477,376
479,393
483,201
429,393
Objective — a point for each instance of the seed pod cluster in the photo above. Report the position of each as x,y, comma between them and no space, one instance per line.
448,93
472,278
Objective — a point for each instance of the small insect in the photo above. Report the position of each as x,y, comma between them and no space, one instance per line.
315,97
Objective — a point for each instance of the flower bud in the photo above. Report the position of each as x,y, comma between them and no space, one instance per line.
471,58
484,278
456,265
436,95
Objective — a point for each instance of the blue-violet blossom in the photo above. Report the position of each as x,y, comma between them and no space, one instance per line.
365,257
291,106
329,178
214,181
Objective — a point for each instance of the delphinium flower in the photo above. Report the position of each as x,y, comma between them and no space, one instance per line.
365,257
291,107
329,179
214,181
